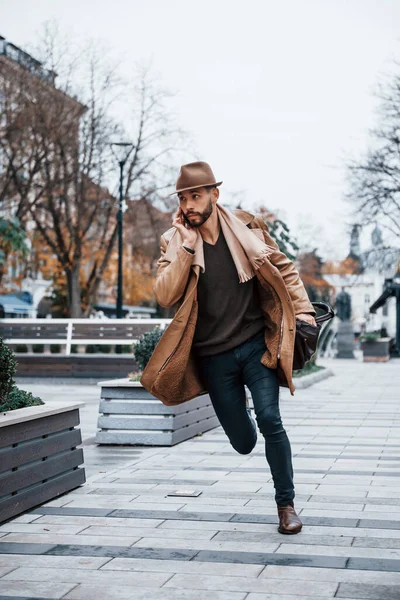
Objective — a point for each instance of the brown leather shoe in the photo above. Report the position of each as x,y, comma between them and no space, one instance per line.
289,521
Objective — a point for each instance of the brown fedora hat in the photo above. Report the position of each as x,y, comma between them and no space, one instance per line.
194,175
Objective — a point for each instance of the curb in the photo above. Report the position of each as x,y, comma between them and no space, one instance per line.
307,380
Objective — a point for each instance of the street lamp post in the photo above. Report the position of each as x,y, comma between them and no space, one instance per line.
120,219
121,151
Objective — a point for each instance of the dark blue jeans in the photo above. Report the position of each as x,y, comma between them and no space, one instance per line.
225,376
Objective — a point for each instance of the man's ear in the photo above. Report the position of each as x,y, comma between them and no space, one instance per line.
214,195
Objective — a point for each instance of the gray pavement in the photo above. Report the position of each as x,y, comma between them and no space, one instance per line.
121,536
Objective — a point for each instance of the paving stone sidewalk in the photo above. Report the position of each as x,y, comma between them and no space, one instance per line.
121,537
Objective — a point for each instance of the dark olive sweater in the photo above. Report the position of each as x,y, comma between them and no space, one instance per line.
229,311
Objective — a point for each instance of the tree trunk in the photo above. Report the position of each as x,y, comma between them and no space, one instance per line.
74,292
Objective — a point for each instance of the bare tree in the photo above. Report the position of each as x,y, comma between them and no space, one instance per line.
57,159
374,180
157,138
56,156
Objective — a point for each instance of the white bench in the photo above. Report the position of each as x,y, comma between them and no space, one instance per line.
82,332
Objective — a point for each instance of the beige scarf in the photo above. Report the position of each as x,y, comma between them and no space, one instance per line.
248,251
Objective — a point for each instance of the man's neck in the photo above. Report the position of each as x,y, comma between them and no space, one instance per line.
209,231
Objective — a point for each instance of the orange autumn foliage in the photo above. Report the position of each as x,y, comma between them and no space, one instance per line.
138,278
348,266
310,267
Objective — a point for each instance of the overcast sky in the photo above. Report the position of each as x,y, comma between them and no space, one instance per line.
275,93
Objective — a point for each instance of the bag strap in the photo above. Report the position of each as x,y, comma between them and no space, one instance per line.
327,315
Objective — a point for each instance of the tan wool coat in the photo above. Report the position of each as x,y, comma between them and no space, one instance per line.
171,373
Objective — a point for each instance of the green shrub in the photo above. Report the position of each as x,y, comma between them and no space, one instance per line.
21,348
126,349
370,336
144,348
38,348
19,399
74,349
135,376
102,349
11,397
8,368
55,348
90,349
106,349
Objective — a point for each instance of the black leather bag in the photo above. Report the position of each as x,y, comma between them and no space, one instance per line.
306,339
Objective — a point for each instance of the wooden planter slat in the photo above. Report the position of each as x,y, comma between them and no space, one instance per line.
150,405
27,430
167,422
34,496
196,416
120,393
30,451
133,407
14,481
156,438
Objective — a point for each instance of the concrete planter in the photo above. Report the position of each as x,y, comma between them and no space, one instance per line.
39,458
376,351
128,414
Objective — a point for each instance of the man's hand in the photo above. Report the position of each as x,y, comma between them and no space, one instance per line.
306,317
188,234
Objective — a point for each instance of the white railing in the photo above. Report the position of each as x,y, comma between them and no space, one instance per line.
76,331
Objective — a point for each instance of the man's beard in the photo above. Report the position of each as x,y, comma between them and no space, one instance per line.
204,216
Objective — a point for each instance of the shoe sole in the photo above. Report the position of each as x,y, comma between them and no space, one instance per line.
289,532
